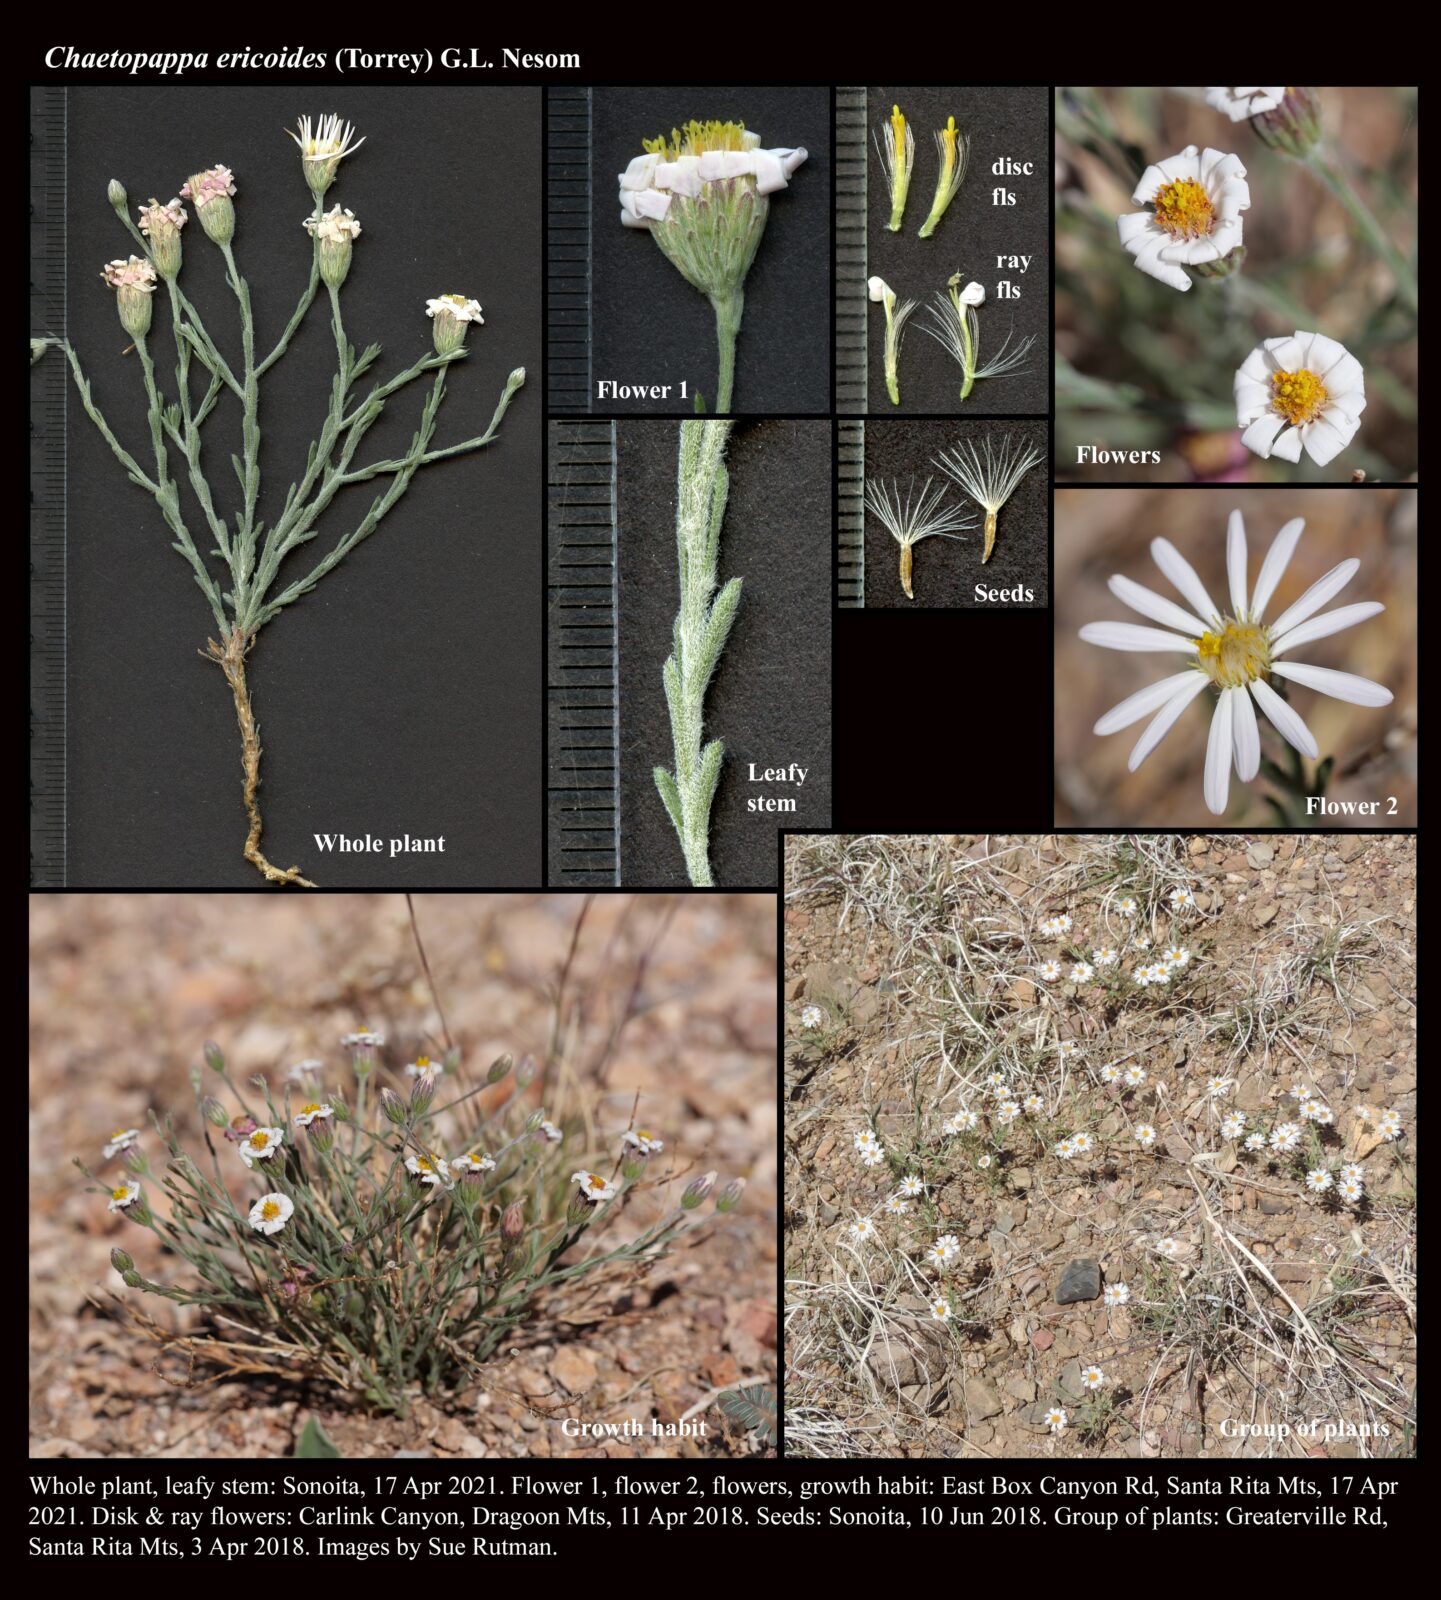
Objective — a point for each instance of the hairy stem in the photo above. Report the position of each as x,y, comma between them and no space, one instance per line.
231,659
250,432
1341,187
728,311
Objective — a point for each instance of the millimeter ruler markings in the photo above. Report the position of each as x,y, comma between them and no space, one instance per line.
851,295
48,653
850,514
583,679
567,201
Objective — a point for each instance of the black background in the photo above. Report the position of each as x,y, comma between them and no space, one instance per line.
998,122
946,571
648,325
403,694
770,700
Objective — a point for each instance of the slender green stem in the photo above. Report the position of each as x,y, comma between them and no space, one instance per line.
1341,187
728,311
250,432
188,439
306,300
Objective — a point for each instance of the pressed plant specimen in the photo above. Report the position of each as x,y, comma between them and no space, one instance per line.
954,325
916,517
897,145
248,591
703,194
989,477
701,627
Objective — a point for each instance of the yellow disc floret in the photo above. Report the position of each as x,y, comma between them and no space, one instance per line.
1184,209
270,1210
696,138
949,135
1298,396
898,133
1237,655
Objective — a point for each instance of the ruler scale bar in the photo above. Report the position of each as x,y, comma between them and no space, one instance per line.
851,252
568,213
850,514
583,685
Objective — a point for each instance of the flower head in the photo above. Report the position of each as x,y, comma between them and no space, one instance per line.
549,1132
1056,1419
896,1206
314,1112
1181,898
363,1039
1033,1104
1285,1136
473,1163
812,1017
1135,1075
334,234
451,316
983,1163
1066,1149
871,1155
261,1145
861,1229
941,1310
1093,1377
210,192
428,1170
1081,1143
1177,955
322,148
1105,955
303,1071
1389,1126
1068,1048
120,1140
1302,391
1170,1248
936,1256
1116,1294
1317,1111
644,1140
161,224
1007,1112
1050,971
1318,1180
1255,1141
271,1212
1235,654
1082,972
950,1245
1353,1172
1233,1125
1127,906
1238,104
1218,1086
123,1196
911,1185
133,281
1350,1190
1196,201
1145,1135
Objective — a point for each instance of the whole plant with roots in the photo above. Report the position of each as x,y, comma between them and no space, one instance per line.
247,594
392,1244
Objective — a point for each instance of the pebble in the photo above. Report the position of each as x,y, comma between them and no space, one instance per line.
1080,1281
983,1399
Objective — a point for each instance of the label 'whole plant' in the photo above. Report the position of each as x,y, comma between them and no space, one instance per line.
251,552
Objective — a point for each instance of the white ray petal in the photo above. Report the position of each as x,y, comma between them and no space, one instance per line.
1339,685
1155,606
1130,636
1246,737
1316,596
1327,623
1236,562
1218,754
1182,577
1144,701
1286,722
1273,568
1161,724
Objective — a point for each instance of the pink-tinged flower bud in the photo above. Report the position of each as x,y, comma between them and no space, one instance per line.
214,1113
211,191
422,1092
729,1197
122,1262
322,148
214,1058
240,1128
162,225
499,1068
1294,126
134,283
451,316
320,1133
334,234
580,1210
117,196
393,1106
525,1072
697,1189
512,1224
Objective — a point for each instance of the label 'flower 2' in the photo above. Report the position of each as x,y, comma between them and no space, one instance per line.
1234,652
1300,392
1196,202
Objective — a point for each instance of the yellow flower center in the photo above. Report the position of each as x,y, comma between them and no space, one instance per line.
423,1164
695,139
1184,209
642,1133
1298,396
423,1062
305,1111
120,1133
259,1141
948,140
595,1181
119,1194
270,1210
1236,656
898,134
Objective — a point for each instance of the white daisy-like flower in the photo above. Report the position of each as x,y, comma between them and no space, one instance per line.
895,1206
1093,1377
1176,956
644,1140
271,1212
1068,1048
950,1245
1299,392
811,1017
1110,1073
473,1161
1008,1111
861,1229
865,1137
911,1185
1389,1126
1233,1125
1363,1113
1145,1135
260,1145
432,1171
1143,977
1063,923
457,306
941,1310
969,1120
592,1184
123,1196
304,1071
1255,1141
1135,1075
1050,971
363,1039
996,1083
1353,1172
1081,1143
983,1163
871,1155
1218,1086
1160,972
1350,1190
120,1140
1285,1136
1236,654
1082,972
935,1256
1196,200
1049,925
1056,1419
1033,1104
327,139
424,1067
1239,104
550,1133
1170,1248
314,1112
1127,906
1181,899
1105,956
1116,1294
1066,1149
952,1125
1141,942
1317,1111
1318,1180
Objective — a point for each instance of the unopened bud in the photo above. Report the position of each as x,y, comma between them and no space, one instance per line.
534,1120
422,1092
214,1113
517,378
525,1072
320,1133
697,1189
133,1280
393,1106
1294,126
580,1209
241,1127
116,195
499,1068
729,1197
632,1165
122,1262
512,1223
214,1057
451,1061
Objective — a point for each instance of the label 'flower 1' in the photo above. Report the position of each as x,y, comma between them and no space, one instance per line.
1233,652
1196,203
271,1212
1299,392
451,316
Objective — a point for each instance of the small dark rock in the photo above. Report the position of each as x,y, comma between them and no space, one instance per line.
1080,1281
